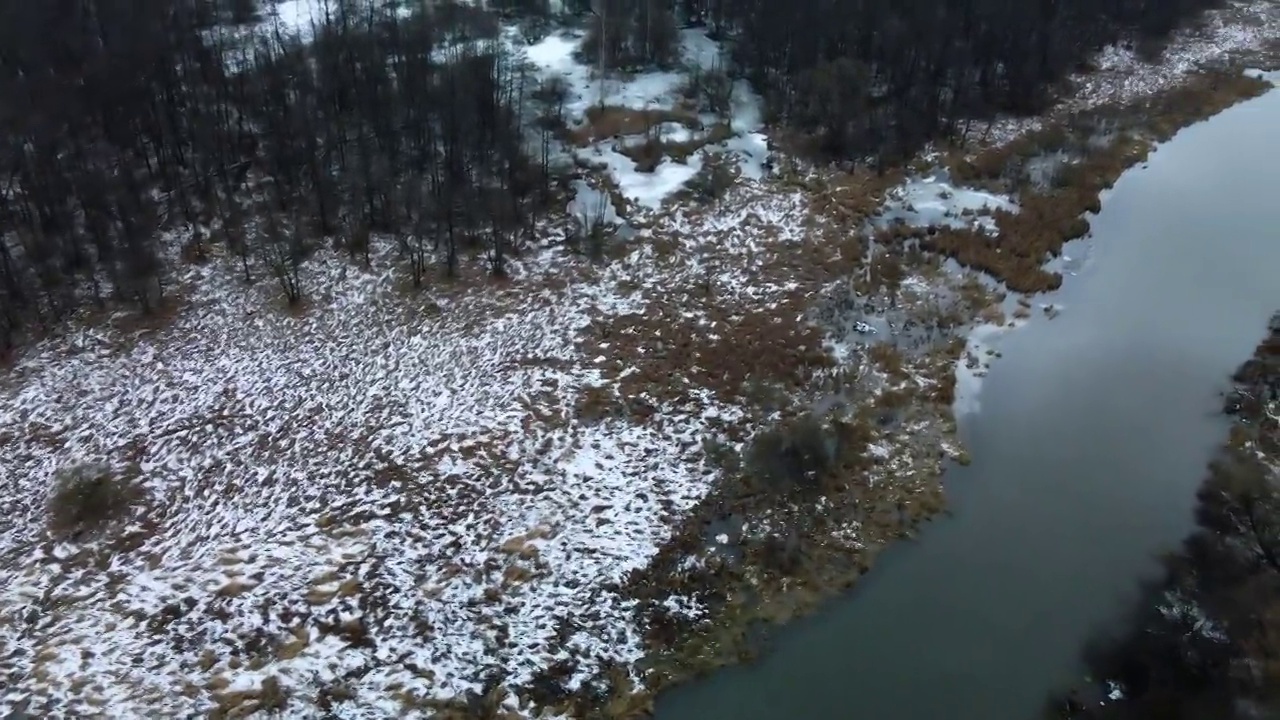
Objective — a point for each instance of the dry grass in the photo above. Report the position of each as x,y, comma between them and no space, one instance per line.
87,498
680,151
855,196
993,167
742,349
646,155
649,154
716,176
1051,217
612,121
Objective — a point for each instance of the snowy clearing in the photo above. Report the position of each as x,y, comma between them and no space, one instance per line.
398,503
651,91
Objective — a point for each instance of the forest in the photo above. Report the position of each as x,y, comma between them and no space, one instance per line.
139,134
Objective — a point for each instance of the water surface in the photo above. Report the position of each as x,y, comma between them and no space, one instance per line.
1093,433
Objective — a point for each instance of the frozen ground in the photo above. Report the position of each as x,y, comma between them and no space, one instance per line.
389,506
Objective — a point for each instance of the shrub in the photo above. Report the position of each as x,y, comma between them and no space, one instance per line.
784,554
720,454
593,231
88,497
713,180
796,454
646,155
274,696
711,90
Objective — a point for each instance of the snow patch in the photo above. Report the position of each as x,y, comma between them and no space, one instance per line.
933,200
554,55
972,366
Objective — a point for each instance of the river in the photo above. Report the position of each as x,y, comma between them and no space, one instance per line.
1093,433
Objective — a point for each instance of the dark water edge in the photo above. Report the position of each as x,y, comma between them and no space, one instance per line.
1201,642
1093,435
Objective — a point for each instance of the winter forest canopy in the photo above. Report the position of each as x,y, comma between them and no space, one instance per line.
124,120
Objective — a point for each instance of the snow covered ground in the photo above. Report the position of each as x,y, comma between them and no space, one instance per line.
302,16
386,506
933,200
394,504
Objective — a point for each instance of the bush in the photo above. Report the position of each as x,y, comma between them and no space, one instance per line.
86,498
797,454
711,90
713,180
784,554
593,231
646,155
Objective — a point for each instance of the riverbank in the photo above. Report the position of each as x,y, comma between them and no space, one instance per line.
1203,641
1086,452
1053,177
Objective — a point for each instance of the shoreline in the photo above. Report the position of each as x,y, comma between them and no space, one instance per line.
1184,646
828,574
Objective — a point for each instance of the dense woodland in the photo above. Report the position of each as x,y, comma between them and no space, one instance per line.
869,77
1206,644
136,134
147,115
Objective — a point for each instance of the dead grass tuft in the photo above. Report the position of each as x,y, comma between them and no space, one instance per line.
612,121
889,359
855,196
649,154
596,404
87,498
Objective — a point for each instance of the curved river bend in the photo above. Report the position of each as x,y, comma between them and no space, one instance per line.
1094,431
